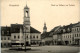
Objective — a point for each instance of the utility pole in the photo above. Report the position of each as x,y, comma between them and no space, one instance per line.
24,38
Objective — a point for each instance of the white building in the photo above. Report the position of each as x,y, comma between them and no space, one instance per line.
21,34
76,33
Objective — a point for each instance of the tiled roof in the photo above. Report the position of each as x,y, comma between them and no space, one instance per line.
54,28
33,30
15,28
77,24
60,29
44,35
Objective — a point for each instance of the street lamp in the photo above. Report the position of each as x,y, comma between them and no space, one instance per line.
25,36
79,45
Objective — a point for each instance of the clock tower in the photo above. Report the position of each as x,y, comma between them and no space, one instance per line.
26,22
44,28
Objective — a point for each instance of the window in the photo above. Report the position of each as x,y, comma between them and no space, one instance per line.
75,35
4,38
70,41
77,29
22,36
33,36
2,32
4,44
68,29
66,36
1,38
8,44
8,38
18,37
64,30
37,37
8,32
73,29
27,37
26,13
70,36
1,44
30,36
14,37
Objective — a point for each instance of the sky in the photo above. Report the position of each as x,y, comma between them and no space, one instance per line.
53,12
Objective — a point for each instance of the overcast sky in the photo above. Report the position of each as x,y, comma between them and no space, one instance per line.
50,11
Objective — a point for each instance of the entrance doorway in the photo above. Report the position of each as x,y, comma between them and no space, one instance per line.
66,42
27,43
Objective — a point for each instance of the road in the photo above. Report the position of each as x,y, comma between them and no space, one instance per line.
47,49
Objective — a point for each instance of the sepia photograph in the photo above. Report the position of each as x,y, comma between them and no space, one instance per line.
40,26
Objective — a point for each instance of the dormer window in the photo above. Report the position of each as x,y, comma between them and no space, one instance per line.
7,32
2,32
64,30
68,29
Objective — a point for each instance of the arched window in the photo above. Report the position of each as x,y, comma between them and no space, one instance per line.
26,13
37,37
18,37
33,36
14,37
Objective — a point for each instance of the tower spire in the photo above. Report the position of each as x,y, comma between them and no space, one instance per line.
44,28
26,2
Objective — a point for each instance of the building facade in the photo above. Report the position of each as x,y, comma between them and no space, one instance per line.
5,36
67,35
20,34
76,34
63,35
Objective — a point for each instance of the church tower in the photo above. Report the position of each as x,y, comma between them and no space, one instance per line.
44,28
26,22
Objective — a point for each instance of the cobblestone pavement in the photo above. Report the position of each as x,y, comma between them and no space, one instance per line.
46,49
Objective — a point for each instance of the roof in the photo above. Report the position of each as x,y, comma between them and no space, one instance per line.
15,28
77,24
5,31
26,7
53,30
33,30
67,28
56,30
44,35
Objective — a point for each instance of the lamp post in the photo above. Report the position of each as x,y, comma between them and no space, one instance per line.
79,46
25,37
